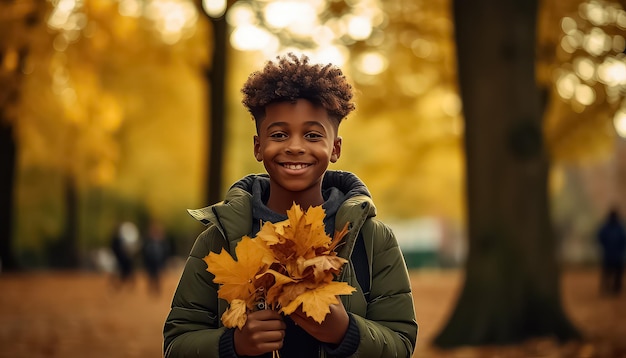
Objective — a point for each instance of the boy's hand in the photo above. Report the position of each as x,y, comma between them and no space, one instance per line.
263,332
331,330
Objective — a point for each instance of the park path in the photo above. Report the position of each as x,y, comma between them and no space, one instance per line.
80,314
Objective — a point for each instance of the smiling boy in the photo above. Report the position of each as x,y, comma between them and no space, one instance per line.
297,108
296,141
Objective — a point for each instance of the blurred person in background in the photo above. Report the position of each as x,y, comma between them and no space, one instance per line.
156,251
612,240
124,244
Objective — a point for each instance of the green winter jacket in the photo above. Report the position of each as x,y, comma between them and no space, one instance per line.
386,321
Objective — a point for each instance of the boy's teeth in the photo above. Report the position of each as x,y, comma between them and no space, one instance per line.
294,166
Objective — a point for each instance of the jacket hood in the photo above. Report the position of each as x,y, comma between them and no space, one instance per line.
233,216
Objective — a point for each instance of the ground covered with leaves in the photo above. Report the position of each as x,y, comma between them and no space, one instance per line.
78,314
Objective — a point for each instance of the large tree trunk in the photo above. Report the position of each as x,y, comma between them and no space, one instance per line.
65,253
511,290
17,19
8,262
216,77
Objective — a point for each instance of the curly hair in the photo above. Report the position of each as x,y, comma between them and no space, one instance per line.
292,78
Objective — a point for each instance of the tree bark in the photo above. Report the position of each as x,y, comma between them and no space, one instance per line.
17,19
8,261
511,290
216,77
65,253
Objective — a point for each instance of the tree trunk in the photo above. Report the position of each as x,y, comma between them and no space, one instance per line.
511,290
18,19
66,252
8,262
216,77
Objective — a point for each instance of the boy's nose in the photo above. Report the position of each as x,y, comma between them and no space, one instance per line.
295,146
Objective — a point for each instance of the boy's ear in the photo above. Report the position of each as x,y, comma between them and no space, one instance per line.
257,149
336,150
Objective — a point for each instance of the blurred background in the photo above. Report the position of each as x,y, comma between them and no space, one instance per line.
118,115
107,117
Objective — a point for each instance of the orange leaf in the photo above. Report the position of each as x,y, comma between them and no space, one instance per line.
288,264
269,234
315,216
235,315
325,266
290,292
280,278
338,237
237,277
307,232
284,251
316,302
294,214
275,290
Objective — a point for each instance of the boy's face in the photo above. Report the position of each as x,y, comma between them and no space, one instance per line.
296,141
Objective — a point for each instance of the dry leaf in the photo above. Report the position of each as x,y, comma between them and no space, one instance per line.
316,303
288,264
322,265
236,277
236,314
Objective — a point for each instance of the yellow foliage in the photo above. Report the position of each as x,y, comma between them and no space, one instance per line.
288,264
237,277
577,132
236,314
123,114
316,303
407,118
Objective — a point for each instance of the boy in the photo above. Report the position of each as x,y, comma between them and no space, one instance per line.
297,108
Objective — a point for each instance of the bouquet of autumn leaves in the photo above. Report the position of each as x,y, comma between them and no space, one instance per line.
287,264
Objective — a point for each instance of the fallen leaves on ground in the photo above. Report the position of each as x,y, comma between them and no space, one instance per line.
79,314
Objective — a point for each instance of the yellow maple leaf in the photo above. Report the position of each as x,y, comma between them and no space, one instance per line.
324,267
276,290
315,216
290,292
285,252
294,214
236,277
288,264
306,230
316,302
337,239
269,234
236,314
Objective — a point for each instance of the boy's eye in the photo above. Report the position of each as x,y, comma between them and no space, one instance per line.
278,135
313,135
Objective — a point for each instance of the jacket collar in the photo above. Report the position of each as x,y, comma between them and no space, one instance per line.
233,216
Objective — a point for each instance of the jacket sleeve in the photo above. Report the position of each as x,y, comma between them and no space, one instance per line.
192,327
389,328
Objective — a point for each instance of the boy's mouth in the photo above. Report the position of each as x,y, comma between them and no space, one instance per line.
295,166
